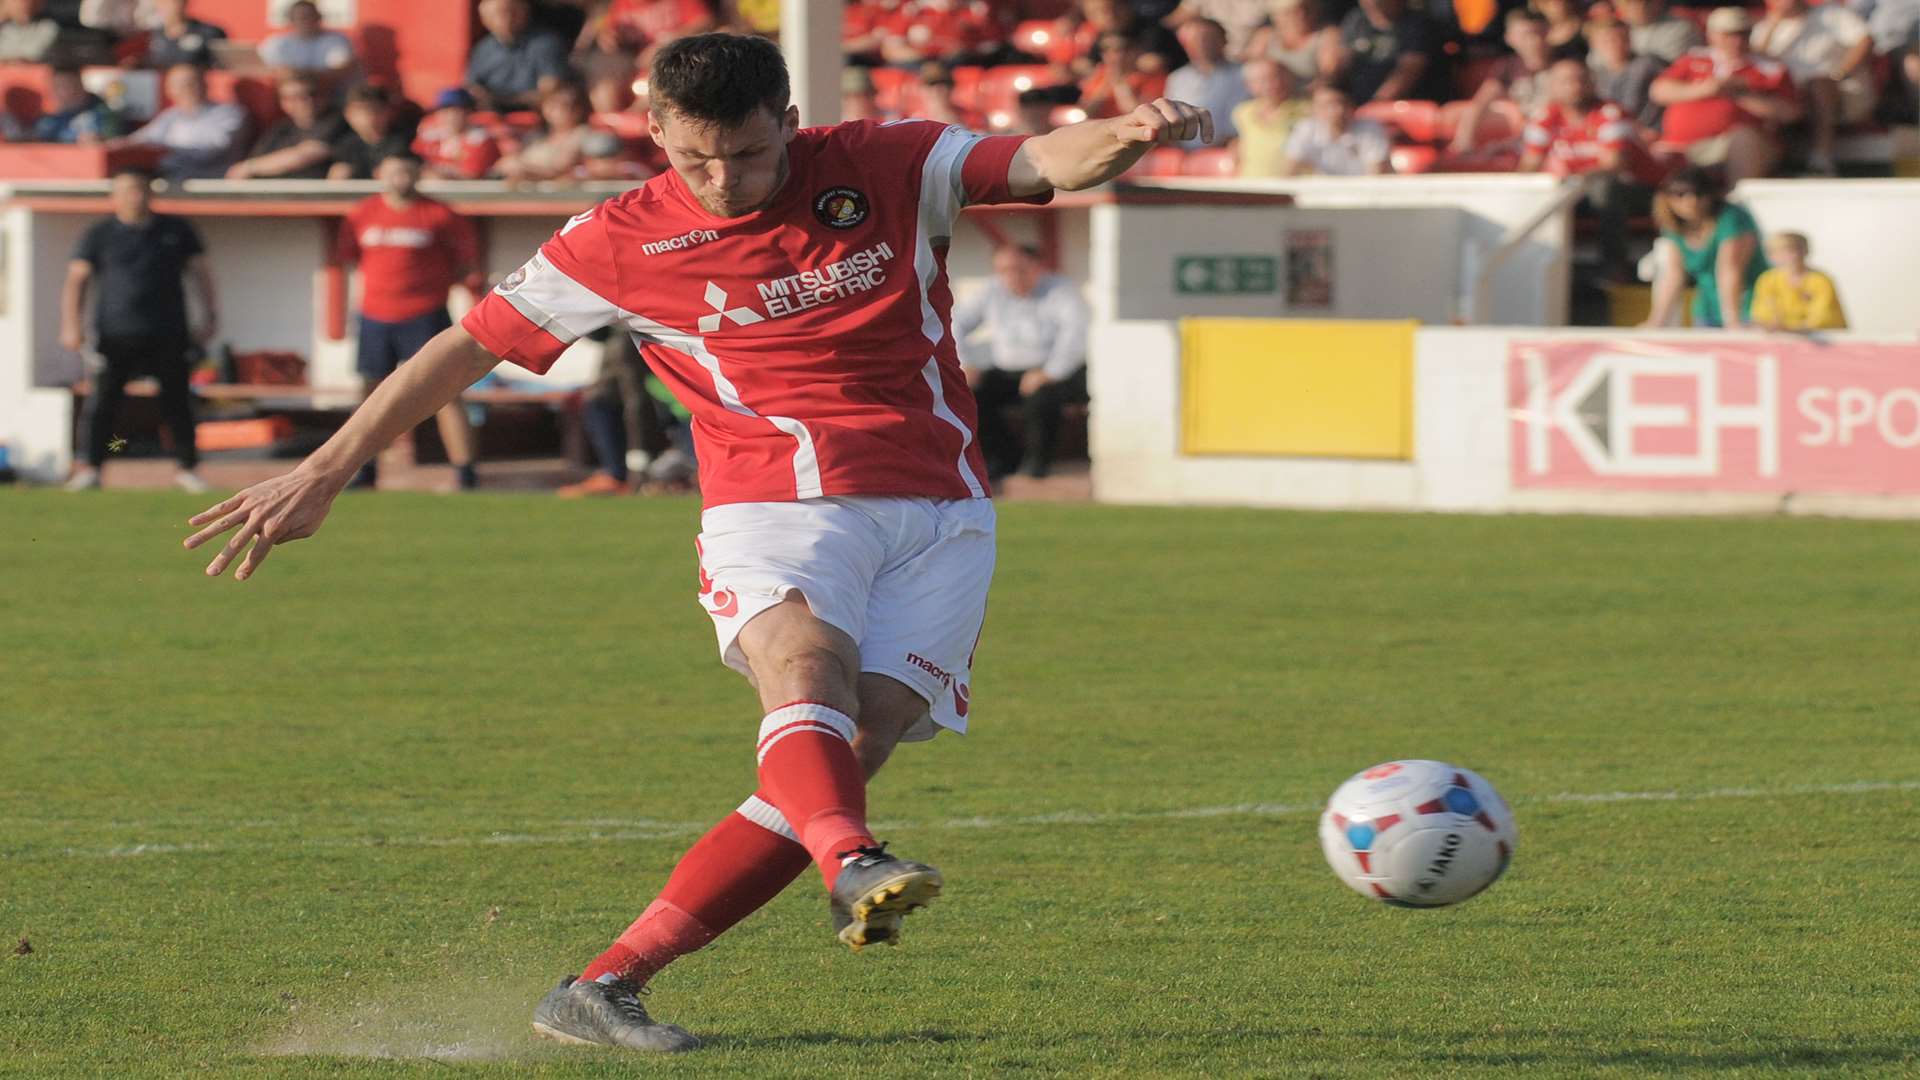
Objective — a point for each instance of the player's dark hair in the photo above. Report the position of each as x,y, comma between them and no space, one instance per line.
146,175
720,79
407,156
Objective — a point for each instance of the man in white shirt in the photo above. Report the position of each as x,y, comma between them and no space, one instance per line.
203,138
1332,143
1037,356
1208,79
305,46
1828,51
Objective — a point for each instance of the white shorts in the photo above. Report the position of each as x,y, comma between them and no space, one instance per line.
905,578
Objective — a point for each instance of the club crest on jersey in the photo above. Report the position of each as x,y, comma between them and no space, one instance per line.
840,207
518,277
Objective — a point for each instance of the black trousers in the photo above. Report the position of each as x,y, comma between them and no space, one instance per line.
128,359
1040,411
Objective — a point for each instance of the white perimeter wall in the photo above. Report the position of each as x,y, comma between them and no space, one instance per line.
1462,441
1866,233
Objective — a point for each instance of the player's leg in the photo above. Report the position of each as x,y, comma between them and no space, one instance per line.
103,406
807,671
1041,412
999,445
375,358
176,404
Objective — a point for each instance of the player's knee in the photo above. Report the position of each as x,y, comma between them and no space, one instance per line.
813,674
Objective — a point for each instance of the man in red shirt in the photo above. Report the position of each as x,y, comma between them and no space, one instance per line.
1574,133
411,250
789,287
1724,104
451,146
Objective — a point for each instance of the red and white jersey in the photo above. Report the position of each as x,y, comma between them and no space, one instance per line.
1573,142
1690,121
408,258
811,339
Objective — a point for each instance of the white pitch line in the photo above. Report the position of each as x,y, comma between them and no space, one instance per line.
606,830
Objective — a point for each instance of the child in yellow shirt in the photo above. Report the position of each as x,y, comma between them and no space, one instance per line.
1792,297
1266,119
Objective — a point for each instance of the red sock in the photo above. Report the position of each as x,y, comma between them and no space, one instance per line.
728,874
808,770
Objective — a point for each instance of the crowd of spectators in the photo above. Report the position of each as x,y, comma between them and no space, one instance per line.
555,90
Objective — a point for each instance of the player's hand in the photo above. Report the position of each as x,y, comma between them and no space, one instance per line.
277,511
1163,122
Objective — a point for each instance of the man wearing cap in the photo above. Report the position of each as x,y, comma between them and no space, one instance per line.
1725,105
450,145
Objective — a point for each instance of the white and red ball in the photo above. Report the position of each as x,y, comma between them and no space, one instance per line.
1417,833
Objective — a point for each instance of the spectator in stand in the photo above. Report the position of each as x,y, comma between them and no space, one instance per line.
307,46
1208,79
1520,78
936,99
76,116
370,137
25,37
1294,39
1158,50
957,31
201,137
1266,119
556,151
411,250
1574,132
1828,52
636,29
605,158
177,38
1791,296
1238,19
1657,32
1119,85
1332,143
123,17
514,64
1033,115
1386,52
300,145
858,99
450,145
1707,242
1563,26
1037,358
862,24
1895,26
1618,75
136,263
1724,105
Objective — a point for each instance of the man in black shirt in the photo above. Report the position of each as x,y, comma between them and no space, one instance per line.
370,138
138,261
1388,53
300,145
179,39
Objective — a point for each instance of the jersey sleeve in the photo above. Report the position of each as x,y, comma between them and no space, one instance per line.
560,295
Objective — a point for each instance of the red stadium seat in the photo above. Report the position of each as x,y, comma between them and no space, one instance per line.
1160,161
1045,39
1413,121
1469,75
1001,87
24,90
1213,161
966,85
888,84
1414,159
1501,122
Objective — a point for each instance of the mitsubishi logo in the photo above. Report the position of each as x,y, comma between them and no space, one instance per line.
717,300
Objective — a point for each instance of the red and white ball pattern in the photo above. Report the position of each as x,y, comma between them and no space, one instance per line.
1417,833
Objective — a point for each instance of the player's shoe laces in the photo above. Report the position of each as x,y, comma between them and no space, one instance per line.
874,892
605,1014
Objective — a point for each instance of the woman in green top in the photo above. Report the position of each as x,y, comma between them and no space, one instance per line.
1714,246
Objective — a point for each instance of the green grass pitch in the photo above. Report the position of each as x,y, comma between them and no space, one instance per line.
353,817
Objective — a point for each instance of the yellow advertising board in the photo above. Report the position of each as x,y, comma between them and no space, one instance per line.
1287,387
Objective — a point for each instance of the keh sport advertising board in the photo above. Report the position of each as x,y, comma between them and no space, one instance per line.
1786,415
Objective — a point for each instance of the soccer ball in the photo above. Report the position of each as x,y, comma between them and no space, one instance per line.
1417,833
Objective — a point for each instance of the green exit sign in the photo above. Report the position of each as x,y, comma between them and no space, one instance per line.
1225,275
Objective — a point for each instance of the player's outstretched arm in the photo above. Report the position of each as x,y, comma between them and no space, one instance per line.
1093,152
292,506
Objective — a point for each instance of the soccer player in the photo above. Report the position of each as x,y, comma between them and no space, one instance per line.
789,286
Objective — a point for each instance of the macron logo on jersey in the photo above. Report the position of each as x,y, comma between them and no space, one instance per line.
677,243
